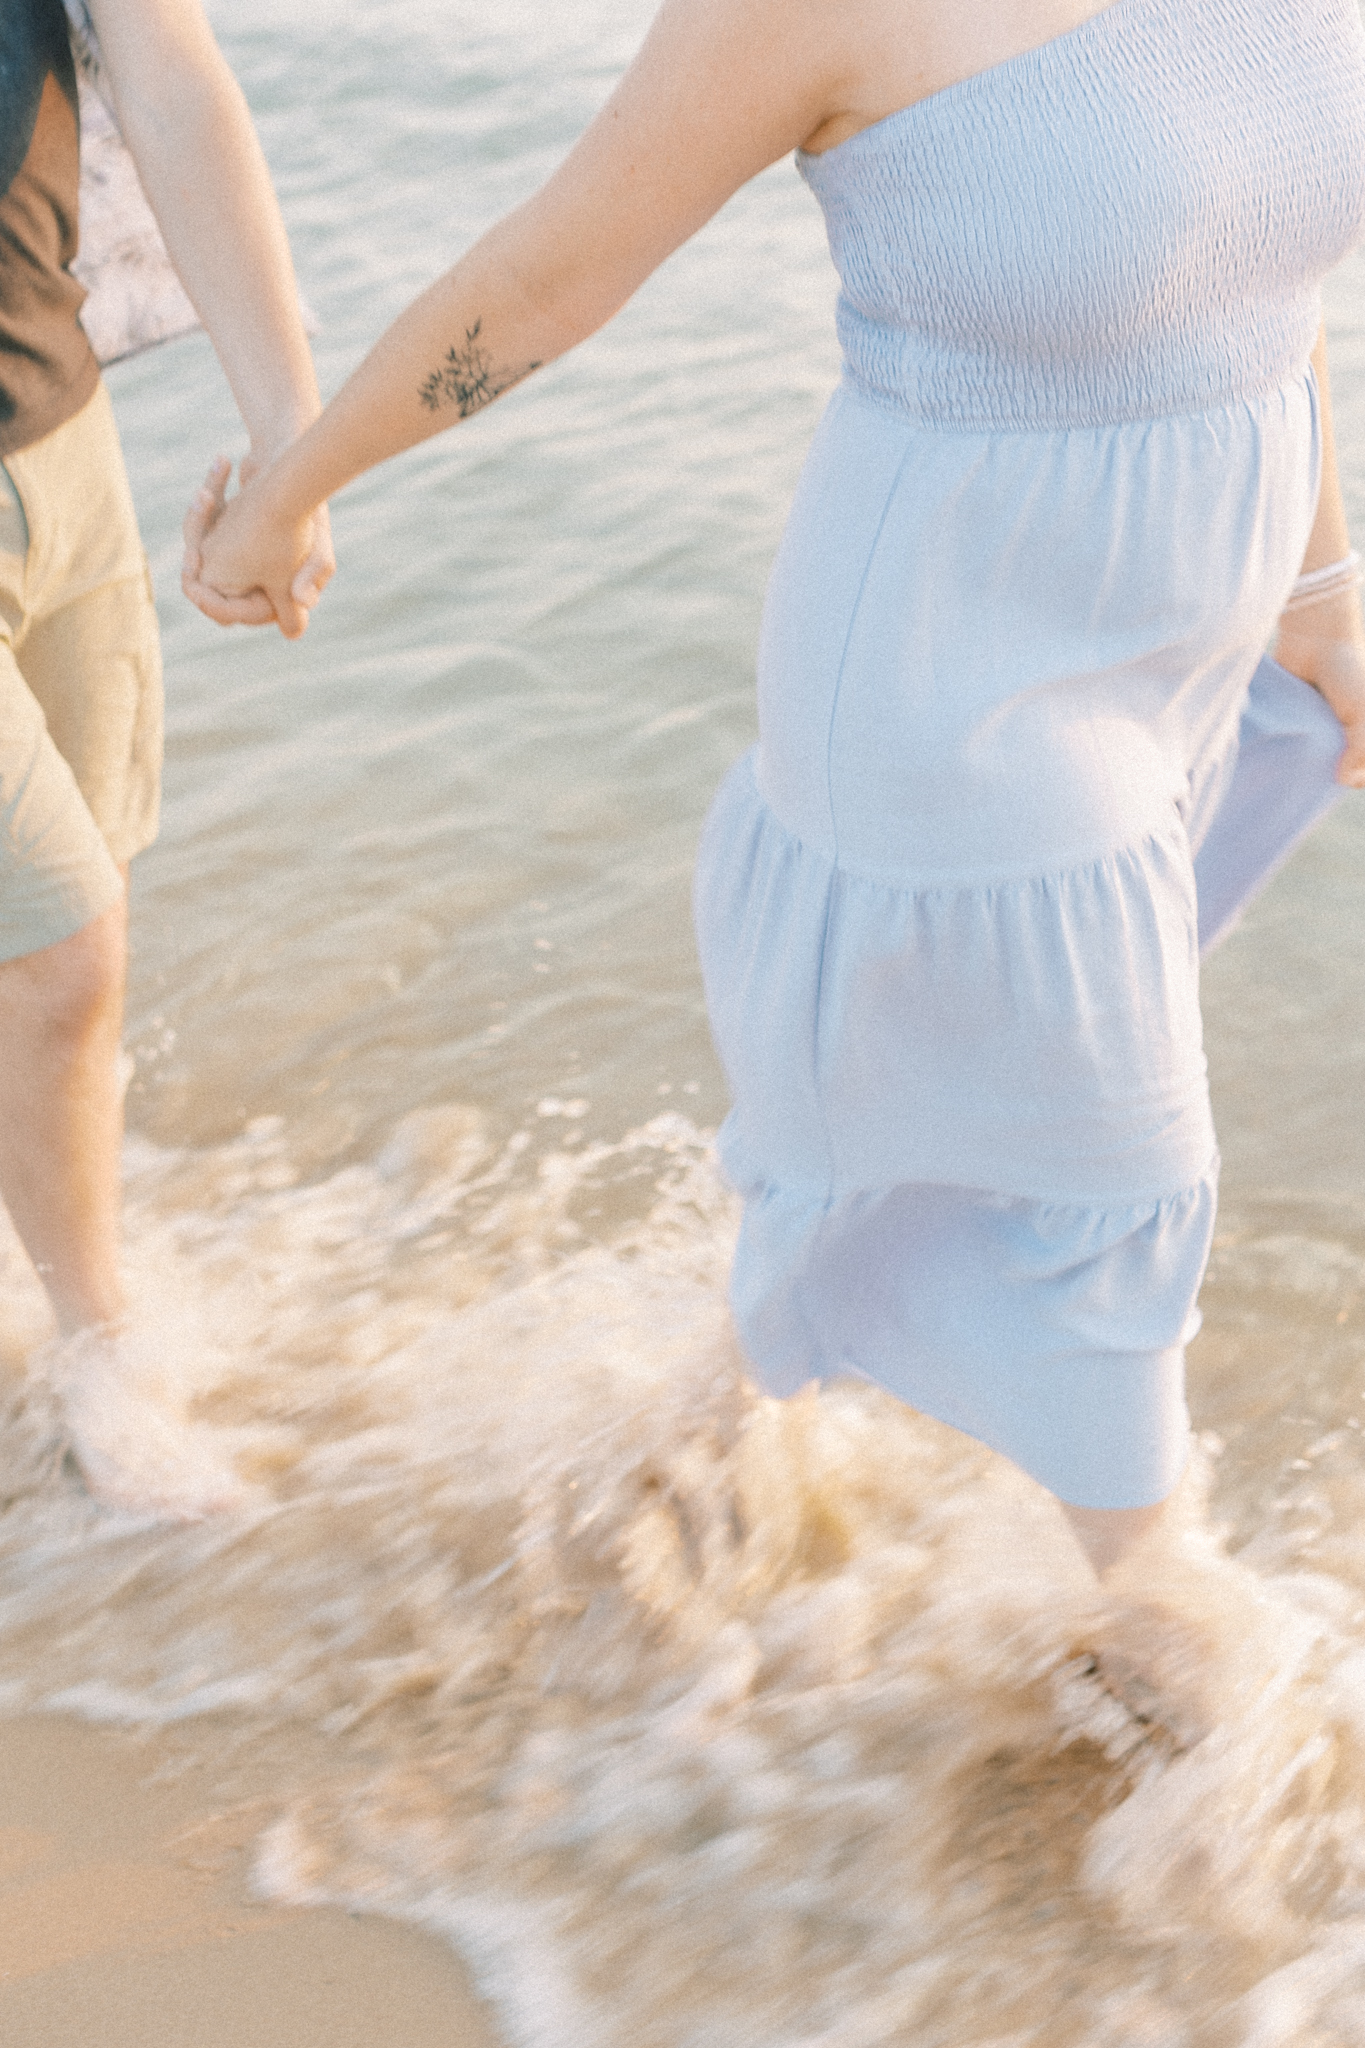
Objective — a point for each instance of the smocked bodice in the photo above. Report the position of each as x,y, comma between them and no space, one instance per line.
1129,222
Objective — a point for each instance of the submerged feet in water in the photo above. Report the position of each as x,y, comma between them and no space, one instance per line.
129,1430
1186,1640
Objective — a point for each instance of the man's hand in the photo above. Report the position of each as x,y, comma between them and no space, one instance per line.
254,572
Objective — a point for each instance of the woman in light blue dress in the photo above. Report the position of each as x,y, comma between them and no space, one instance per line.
1020,751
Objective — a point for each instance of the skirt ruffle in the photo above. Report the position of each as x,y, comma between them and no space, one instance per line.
971,1124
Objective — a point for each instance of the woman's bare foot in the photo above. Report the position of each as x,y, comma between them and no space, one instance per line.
1183,1639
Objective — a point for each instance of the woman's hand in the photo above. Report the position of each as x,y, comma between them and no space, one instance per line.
245,563
1324,644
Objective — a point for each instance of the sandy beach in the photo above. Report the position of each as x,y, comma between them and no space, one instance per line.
126,1919
540,1641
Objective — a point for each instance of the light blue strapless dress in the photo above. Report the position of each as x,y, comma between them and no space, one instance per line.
1020,751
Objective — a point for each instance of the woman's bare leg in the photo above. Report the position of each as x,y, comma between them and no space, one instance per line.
1109,1535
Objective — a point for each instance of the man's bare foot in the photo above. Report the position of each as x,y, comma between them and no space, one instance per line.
130,1434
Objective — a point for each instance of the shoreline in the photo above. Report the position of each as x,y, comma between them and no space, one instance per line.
126,1918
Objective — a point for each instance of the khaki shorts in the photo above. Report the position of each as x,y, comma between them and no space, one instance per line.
80,682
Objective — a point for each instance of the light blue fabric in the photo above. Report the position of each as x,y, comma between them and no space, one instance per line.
1054,1331
1266,797
1128,222
1012,757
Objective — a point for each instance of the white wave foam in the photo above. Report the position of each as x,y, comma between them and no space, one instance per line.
690,1716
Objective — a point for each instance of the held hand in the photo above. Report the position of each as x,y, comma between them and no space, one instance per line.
244,567
1336,669
320,564
206,509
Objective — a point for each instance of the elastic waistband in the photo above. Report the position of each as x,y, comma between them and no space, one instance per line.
913,377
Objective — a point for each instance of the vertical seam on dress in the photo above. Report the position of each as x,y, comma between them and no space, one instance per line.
854,610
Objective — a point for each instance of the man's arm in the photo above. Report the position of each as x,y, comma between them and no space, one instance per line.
187,127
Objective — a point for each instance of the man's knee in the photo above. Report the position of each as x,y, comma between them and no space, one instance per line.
71,988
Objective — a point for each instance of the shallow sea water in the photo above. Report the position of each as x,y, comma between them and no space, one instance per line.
690,1718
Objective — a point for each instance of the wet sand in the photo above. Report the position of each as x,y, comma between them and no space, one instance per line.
126,1920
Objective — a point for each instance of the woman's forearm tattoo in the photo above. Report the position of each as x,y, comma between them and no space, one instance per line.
467,378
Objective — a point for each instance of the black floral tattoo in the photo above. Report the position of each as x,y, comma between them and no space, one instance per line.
467,379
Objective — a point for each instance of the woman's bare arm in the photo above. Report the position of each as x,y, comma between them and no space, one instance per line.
1324,643
719,90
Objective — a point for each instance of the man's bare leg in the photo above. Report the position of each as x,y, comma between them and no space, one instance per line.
61,1113
61,1132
